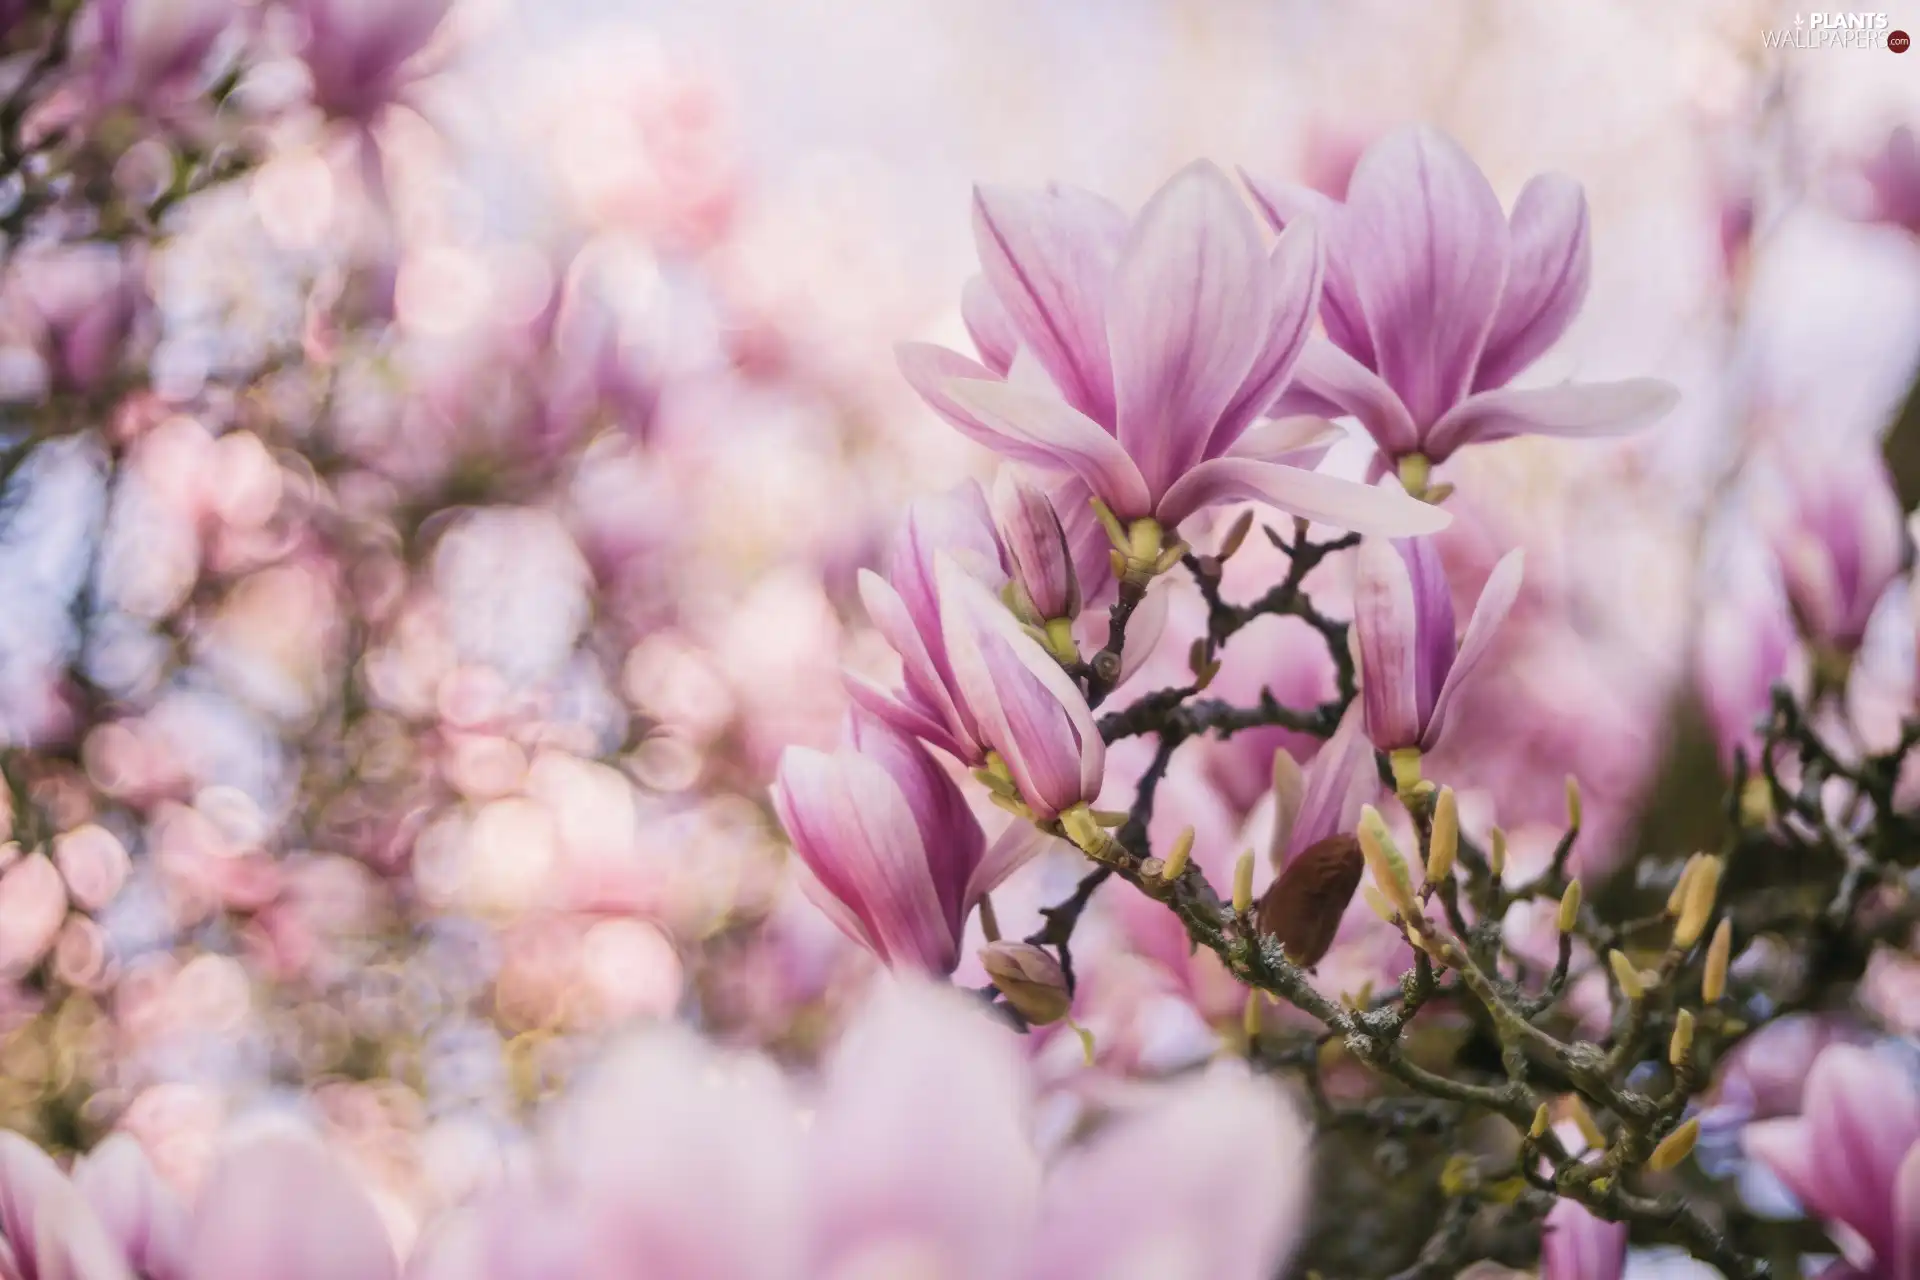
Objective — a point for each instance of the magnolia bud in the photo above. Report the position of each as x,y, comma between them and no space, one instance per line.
1682,1043
1497,852
1384,860
1569,907
1540,1121
1713,983
1675,1147
1631,984
1030,979
1677,900
1177,859
1702,888
1573,802
1037,547
1444,842
1243,884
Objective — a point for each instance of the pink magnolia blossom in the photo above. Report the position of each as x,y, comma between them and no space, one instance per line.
894,856
1575,1245
1838,536
275,1205
1037,551
84,299
1852,1156
357,50
1412,665
1744,647
1159,343
1435,300
140,53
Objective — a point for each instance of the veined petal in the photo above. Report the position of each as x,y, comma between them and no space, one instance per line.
927,369
286,1207
1188,316
1011,850
927,672
1574,409
1551,261
1496,600
1044,431
851,824
957,522
1049,256
139,1211
1428,247
1027,707
871,698
1386,624
989,325
1298,441
1286,204
1868,1116
1435,633
1374,510
952,835
1335,783
1294,273
1326,375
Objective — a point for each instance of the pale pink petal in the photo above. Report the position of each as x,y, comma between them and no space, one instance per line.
1551,261
1496,599
1298,441
1866,1113
1294,273
989,325
952,835
888,1164
285,1207
1575,1245
1016,846
1386,625
1049,257
1328,382
1041,430
1027,707
1906,1217
1572,409
830,905
924,670
139,1211
1188,315
1375,510
1789,1149
1428,246
928,368
851,824
48,1225
1231,1161
872,698
1335,784
1285,205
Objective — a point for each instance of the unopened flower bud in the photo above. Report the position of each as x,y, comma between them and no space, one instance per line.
1540,1121
1497,852
1036,545
1569,907
1235,536
1030,979
1384,861
1677,900
1631,984
1243,884
1378,901
1303,907
1177,859
1702,889
1682,1043
1675,1147
1713,982
1444,843
1573,802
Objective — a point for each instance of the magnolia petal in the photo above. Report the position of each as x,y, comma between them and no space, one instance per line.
1011,850
989,325
1285,205
138,1210
1327,376
1373,510
1867,1114
1335,784
1787,1148
1044,431
1575,409
286,1207
927,369
1026,706
1294,273
871,698
924,671
1906,1216
1298,441
1496,600
1428,248
1386,625
852,826
1048,256
1575,1245
1188,316
952,835
1547,275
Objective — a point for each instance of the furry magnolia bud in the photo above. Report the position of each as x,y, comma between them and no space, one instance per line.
1713,982
1030,979
1444,843
1675,1147
1302,909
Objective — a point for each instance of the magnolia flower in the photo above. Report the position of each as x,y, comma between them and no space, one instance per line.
1852,1156
139,53
1412,664
890,851
1745,642
1838,536
878,1182
275,1204
1575,1245
1046,586
1435,300
1164,340
357,50
84,299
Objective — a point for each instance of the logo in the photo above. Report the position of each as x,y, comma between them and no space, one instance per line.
1836,31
